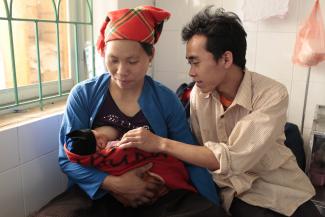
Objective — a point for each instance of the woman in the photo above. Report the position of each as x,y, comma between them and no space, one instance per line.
127,99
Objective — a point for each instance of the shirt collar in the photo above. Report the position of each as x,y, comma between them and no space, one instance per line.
244,92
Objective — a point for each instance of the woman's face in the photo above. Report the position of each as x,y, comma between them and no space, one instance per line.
127,62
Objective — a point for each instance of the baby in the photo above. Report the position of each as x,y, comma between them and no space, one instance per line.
98,148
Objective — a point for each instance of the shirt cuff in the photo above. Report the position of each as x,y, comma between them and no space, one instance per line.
221,152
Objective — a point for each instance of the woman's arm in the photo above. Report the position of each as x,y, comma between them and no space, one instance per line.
76,116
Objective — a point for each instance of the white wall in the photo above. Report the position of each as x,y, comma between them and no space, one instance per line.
29,171
270,47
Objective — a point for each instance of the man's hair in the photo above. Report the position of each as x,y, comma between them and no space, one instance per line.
224,32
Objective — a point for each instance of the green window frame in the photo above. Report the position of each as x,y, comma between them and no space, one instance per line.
61,92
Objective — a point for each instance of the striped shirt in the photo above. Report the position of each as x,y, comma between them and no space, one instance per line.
248,141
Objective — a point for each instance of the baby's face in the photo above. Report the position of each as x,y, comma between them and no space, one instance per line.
101,139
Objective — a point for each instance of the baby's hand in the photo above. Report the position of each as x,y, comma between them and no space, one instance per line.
112,144
108,145
100,147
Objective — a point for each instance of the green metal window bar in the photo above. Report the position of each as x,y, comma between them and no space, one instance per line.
56,7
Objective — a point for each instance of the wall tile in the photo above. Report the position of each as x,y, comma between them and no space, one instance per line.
236,7
197,5
132,4
9,155
273,57
317,73
11,196
251,50
179,13
59,116
38,138
287,24
42,180
170,53
299,73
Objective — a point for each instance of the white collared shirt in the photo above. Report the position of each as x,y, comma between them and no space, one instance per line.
248,141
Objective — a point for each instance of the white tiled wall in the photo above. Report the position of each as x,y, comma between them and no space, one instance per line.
270,46
29,171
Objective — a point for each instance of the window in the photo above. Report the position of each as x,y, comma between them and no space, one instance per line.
42,49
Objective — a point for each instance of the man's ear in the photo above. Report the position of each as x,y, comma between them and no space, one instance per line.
228,59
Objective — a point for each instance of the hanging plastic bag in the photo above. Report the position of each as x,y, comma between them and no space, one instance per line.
310,42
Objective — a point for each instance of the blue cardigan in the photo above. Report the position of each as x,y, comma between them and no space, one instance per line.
160,106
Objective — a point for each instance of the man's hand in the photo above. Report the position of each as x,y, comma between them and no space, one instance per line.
132,189
143,139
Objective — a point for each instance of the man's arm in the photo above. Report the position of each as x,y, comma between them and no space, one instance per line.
250,139
178,130
194,154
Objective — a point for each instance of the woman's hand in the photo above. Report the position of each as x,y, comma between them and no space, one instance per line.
134,188
143,139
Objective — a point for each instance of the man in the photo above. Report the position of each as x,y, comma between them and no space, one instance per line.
238,118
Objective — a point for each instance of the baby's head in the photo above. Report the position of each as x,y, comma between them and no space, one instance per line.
87,141
83,141
101,137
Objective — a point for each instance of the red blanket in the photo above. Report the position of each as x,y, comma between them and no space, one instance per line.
116,161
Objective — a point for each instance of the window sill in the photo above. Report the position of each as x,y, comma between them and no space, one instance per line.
11,120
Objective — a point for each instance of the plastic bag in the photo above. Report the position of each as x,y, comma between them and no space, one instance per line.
310,43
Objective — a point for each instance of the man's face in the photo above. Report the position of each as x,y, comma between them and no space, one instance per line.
207,72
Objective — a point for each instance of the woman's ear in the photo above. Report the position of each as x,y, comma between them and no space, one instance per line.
152,56
153,53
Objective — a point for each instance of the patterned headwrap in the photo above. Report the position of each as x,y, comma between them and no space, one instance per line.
142,24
